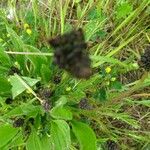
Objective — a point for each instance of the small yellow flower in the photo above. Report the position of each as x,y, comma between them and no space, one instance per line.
1,40
29,31
26,26
8,35
113,79
108,70
68,89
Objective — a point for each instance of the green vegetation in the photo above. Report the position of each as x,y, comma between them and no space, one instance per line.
43,107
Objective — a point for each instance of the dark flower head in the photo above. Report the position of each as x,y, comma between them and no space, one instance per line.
57,79
18,123
46,105
31,120
9,100
45,93
14,70
70,53
145,59
84,104
111,145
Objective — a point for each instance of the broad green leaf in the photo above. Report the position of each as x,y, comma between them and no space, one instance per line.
3,71
85,135
18,87
17,111
17,141
16,40
18,45
24,109
5,86
4,58
37,61
7,133
46,73
62,101
60,135
61,113
34,142
46,142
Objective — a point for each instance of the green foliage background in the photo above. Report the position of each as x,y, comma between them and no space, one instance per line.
117,108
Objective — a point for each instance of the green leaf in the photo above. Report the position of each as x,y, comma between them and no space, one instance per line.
61,113
37,61
85,135
101,94
46,142
79,11
18,45
144,102
96,13
116,85
7,133
25,109
62,101
34,142
60,135
5,86
4,58
138,137
99,60
75,96
46,73
17,141
68,27
123,10
99,35
96,21
77,1
127,118
3,71
18,87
